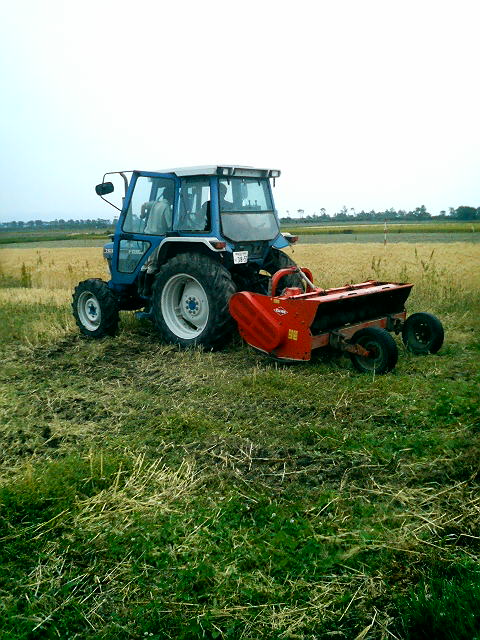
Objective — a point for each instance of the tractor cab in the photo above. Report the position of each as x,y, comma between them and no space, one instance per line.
226,210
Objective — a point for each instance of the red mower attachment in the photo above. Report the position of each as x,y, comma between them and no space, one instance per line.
355,318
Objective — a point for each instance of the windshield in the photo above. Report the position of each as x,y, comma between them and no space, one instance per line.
246,209
249,226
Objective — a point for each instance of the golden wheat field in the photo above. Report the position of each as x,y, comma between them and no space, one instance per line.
446,276
331,264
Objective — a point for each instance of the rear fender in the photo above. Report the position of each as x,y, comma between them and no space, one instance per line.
280,242
173,246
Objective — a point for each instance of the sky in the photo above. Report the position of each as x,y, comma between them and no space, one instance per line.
367,104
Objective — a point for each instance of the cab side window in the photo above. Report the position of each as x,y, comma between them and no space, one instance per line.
194,205
151,206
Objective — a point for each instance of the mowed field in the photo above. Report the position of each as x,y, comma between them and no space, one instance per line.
151,492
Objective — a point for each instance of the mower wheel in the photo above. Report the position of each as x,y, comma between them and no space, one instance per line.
190,301
277,260
382,347
422,333
95,308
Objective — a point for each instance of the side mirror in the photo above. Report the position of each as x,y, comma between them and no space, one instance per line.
104,189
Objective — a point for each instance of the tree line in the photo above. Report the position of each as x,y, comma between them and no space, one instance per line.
344,215
350,215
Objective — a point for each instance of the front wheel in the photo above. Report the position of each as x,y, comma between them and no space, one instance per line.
422,333
190,301
382,348
95,308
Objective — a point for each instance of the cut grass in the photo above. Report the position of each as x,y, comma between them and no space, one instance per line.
152,492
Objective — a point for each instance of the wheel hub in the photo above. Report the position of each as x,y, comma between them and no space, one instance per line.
192,305
92,311
422,334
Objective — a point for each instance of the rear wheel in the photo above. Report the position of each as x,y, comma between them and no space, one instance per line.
190,301
423,333
277,260
383,352
95,308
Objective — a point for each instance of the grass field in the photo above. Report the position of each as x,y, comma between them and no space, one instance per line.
392,228
26,237
150,492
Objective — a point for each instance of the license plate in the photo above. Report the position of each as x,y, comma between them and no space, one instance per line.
240,257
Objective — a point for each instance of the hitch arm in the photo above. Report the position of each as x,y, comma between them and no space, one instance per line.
303,272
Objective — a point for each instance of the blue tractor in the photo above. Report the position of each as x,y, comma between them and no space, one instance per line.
186,240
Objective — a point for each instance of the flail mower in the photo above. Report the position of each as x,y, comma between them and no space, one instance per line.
356,318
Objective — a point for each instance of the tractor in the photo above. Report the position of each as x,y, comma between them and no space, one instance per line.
185,241
199,249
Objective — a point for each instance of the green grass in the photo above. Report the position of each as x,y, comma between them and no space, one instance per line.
152,492
444,606
15,237
393,227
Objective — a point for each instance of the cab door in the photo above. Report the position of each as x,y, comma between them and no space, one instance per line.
146,218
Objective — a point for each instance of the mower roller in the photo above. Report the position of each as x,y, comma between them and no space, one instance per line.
356,318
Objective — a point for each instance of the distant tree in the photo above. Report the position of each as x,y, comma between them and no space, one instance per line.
390,214
342,214
420,213
466,213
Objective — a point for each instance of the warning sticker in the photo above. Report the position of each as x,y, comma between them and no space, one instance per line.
292,334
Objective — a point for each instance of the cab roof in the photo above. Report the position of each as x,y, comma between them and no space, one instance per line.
223,170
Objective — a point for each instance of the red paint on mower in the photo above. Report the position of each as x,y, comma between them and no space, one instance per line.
289,326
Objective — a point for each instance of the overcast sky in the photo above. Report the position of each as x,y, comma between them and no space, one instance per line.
365,103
